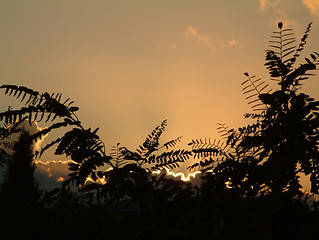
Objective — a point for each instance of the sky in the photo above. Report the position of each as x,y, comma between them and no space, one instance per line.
128,64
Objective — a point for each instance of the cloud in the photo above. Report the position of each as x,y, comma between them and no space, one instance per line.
313,6
277,10
172,46
233,43
282,16
263,4
192,34
34,128
178,175
49,175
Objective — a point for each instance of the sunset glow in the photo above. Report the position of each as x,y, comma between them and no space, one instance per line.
180,175
60,179
163,119
128,65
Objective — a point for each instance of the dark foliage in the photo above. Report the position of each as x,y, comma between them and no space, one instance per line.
267,156
250,184
130,180
19,186
145,154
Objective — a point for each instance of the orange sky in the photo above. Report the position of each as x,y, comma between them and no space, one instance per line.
129,65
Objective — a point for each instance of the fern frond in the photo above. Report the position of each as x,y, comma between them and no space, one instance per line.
86,150
277,69
282,43
299,74
254,115
172,143
20,92
45,131
206,152
79,144
249,128
279,61
278,56
87,168
151,142
301,45
204,165
207,148
224,130
252,88
117,156
12,116
172,158
54,107
145,154
49,145
130,155
37,105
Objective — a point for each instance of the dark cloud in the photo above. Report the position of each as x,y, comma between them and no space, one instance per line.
49,175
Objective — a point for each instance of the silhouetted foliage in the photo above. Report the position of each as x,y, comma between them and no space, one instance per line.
130,181
250,179
19,186
267,156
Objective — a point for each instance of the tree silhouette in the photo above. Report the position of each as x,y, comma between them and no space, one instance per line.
131,170
267,156
250,186
19,186
131,180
